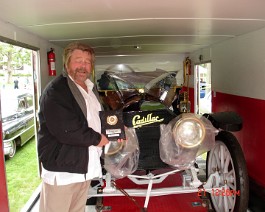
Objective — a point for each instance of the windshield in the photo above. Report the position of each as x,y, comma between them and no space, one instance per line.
124,77
121,82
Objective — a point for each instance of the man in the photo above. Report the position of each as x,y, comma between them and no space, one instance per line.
16,84
69,138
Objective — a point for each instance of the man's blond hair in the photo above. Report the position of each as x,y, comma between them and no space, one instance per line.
77,45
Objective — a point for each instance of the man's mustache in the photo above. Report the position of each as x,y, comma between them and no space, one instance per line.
82,70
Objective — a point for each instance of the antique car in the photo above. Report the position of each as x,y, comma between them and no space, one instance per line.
162,134
17,120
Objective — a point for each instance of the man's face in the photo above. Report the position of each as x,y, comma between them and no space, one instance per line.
80,66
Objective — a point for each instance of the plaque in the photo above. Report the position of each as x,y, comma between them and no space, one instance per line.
112,124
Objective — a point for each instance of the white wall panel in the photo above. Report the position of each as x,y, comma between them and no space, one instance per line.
238,65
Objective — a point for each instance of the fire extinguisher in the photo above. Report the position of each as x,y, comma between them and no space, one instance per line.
51,62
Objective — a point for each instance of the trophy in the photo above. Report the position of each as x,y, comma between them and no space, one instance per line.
112,124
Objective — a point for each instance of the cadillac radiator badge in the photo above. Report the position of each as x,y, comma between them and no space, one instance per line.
139,121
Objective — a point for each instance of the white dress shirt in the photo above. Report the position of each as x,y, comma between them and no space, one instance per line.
94,166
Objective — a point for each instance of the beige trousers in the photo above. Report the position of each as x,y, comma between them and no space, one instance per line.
65,198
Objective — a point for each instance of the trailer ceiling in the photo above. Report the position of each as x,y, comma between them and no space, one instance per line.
131,27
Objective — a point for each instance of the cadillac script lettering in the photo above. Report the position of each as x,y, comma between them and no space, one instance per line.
139,121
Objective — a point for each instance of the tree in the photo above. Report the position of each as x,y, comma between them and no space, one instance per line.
13,58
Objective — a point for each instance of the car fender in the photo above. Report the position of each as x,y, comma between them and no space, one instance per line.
229,120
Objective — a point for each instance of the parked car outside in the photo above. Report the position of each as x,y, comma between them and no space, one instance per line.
17,120
202,89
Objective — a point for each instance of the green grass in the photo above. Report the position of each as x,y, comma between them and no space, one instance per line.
22,175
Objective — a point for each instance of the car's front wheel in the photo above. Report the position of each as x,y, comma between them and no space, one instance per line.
228,160
13,149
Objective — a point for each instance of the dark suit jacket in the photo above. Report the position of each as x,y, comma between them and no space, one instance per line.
64,135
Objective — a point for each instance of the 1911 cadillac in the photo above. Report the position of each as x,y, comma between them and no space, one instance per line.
161,134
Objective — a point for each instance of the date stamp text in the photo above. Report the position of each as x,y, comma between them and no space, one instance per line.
218,192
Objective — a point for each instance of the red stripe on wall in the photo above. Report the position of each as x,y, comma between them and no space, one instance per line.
252,136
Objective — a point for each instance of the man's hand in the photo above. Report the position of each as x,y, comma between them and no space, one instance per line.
103,141
120,140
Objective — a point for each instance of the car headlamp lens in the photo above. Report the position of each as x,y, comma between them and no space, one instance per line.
189,132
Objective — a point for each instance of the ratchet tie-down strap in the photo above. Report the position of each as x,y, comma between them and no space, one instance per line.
130,197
